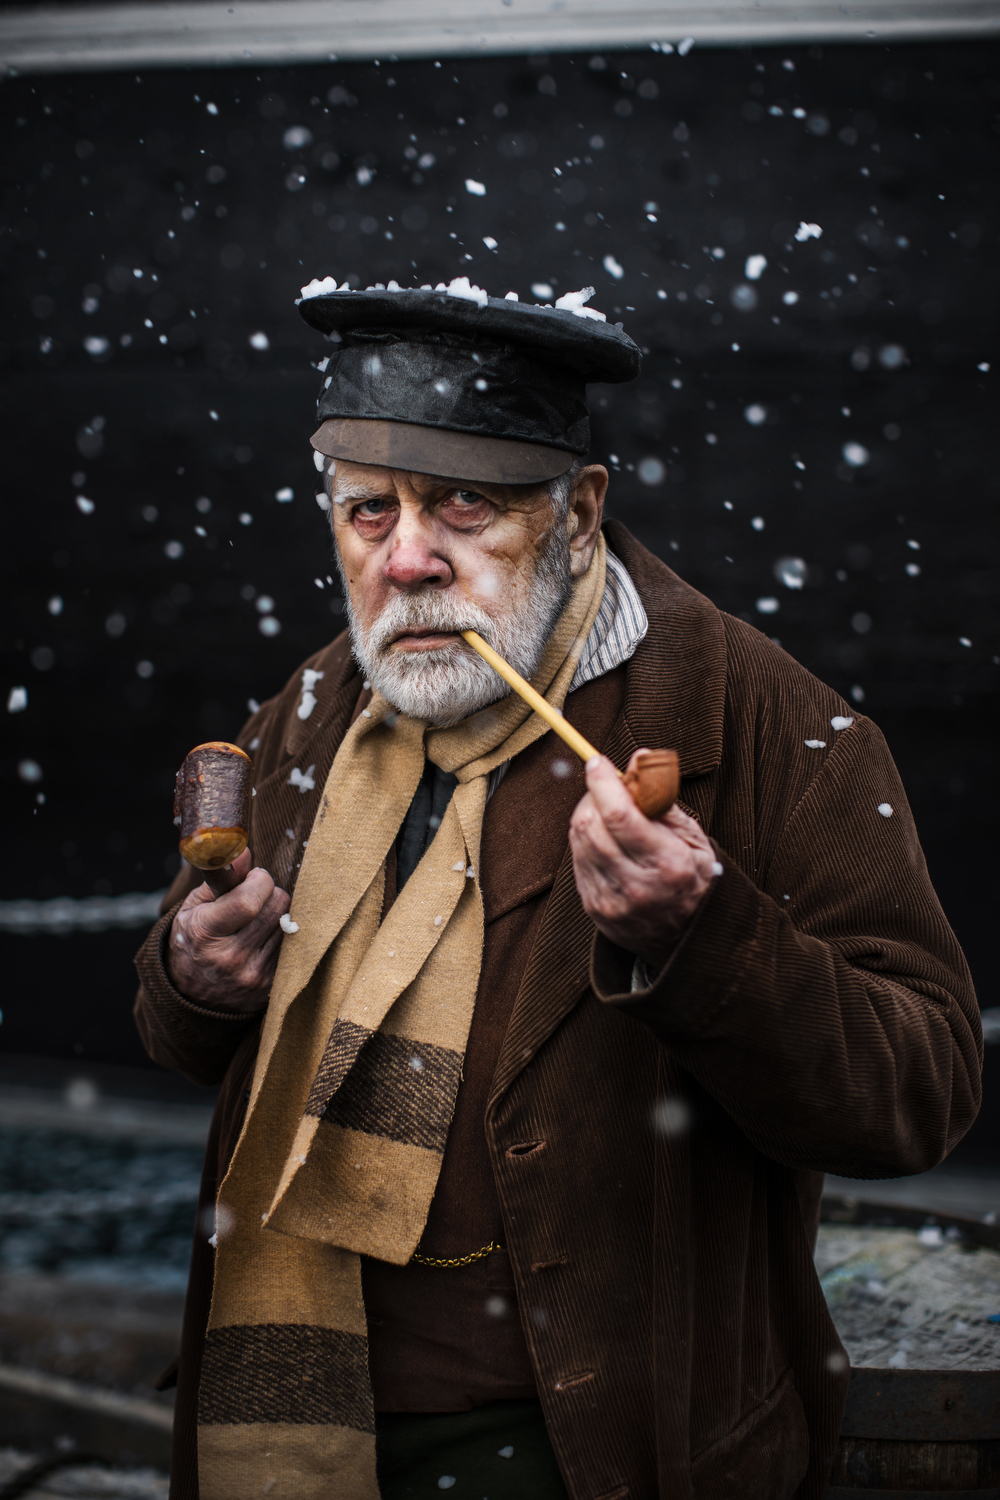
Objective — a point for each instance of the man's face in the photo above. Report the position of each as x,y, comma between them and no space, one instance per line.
423,558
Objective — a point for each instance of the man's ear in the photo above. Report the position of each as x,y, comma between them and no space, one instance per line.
584,511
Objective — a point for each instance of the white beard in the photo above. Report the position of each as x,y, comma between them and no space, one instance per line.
451,682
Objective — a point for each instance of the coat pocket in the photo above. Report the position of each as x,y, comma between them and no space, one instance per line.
764,1457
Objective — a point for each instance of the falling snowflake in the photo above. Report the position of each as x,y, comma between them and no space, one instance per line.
791,571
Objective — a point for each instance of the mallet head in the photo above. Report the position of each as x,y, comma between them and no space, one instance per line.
212,795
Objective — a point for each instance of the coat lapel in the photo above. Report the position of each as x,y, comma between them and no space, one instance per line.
676,682
674,698
294,758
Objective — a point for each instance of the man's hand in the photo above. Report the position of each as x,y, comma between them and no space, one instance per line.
640,880
223,950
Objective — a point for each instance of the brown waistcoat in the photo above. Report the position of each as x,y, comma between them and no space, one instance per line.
651,1161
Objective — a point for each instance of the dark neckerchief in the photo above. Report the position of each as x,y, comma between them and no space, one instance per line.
422,820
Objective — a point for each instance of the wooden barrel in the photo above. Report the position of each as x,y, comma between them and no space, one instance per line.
933,1434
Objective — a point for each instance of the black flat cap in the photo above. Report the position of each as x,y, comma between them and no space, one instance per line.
450,381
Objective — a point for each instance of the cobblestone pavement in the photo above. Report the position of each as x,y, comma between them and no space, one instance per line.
85,1481
911,1298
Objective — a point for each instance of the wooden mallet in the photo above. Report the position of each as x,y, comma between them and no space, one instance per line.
212,795
656,779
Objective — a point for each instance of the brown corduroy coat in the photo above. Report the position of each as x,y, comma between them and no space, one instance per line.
657,1156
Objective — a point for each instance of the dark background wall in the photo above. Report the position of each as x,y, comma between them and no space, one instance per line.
838,410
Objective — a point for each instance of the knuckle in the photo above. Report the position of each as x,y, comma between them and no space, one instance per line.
619,818
581,819
610,906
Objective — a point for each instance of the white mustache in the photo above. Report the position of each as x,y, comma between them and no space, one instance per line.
428,612
447,683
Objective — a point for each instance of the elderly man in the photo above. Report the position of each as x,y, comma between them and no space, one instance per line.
526,1098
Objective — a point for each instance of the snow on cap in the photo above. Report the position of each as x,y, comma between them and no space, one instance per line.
573,302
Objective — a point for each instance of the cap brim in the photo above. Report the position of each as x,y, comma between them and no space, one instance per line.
435,450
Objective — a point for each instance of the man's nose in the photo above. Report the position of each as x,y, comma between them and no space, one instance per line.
413,561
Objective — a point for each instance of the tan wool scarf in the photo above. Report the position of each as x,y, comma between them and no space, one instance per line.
353,1095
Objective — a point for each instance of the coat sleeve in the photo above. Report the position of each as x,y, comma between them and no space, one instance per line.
830,1011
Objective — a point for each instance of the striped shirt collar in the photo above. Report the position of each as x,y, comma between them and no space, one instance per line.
620,625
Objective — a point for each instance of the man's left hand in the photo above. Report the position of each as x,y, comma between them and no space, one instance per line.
640,880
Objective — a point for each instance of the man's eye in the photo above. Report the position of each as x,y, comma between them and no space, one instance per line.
467,497
371,508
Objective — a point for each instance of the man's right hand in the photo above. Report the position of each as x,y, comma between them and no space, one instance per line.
223,950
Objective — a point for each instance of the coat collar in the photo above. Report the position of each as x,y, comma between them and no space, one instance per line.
676,681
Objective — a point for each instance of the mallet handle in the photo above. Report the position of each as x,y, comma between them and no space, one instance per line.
221,881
